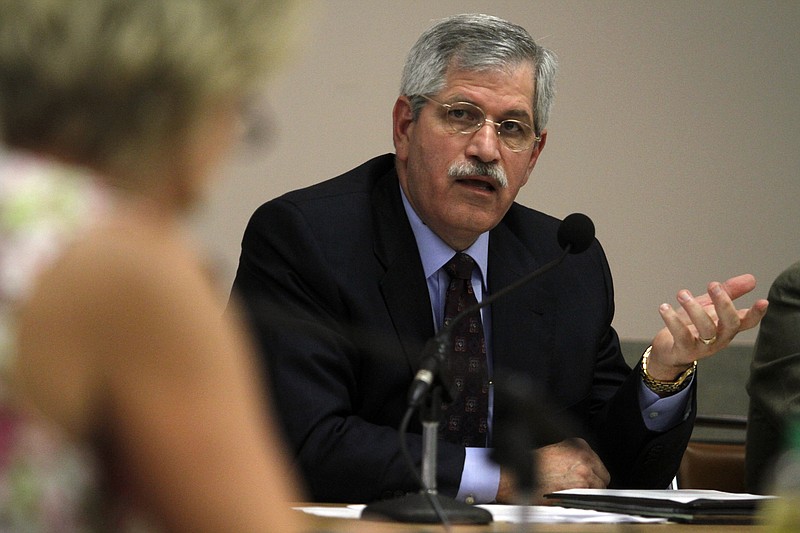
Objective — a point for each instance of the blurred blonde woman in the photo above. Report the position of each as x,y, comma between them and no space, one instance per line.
128,400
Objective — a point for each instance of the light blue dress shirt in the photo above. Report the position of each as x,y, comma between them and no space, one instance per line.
481,476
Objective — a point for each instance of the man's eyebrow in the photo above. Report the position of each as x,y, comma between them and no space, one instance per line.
518,114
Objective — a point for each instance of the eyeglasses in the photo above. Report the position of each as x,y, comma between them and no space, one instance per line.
466,118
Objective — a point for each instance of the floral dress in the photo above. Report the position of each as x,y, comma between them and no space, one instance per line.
46,483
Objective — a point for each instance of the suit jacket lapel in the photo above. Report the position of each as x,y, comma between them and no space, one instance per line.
403,286
522,329
522,322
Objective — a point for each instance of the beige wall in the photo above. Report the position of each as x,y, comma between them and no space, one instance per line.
675,128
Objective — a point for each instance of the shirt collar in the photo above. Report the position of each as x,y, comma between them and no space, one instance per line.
434,252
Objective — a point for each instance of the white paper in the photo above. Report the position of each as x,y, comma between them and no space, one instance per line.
331,511
507,513
679,496
551,514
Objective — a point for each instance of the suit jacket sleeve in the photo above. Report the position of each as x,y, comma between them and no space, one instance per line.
635,456
558,329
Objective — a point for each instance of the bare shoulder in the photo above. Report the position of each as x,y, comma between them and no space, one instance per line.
125,299
124,268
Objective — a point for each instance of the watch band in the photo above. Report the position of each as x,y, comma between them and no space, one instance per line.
665,388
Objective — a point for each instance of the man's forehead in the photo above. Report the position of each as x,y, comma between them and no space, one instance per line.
512,88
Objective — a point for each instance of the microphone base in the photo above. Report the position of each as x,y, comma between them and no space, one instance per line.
416,508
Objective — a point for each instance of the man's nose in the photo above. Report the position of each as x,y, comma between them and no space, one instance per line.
485,143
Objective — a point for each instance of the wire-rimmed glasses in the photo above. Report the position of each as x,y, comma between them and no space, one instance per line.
466,118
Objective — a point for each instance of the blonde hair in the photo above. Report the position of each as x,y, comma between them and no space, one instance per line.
114,83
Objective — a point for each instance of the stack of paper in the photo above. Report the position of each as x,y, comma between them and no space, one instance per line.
685,505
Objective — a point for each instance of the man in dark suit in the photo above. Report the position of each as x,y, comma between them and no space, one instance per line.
774,384
343,283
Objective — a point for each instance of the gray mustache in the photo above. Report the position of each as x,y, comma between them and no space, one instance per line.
464,169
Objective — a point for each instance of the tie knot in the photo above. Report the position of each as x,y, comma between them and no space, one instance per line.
460,266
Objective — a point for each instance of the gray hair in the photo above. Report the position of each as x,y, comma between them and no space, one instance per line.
476,42
115,83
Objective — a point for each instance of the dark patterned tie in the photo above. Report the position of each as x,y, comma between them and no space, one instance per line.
466,419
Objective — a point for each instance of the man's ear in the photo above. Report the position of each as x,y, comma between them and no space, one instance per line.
537,150
402,122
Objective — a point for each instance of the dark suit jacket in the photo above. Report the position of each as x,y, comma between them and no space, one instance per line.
774,380
335,292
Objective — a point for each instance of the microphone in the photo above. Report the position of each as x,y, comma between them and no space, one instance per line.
575,234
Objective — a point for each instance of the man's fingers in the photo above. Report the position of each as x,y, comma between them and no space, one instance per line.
586,464
750,318
675,324
739,285
698,315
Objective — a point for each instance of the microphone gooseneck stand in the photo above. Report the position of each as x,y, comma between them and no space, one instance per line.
427,506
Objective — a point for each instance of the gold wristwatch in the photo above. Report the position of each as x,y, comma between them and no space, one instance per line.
665,388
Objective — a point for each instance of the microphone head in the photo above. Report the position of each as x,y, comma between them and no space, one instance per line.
577,231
